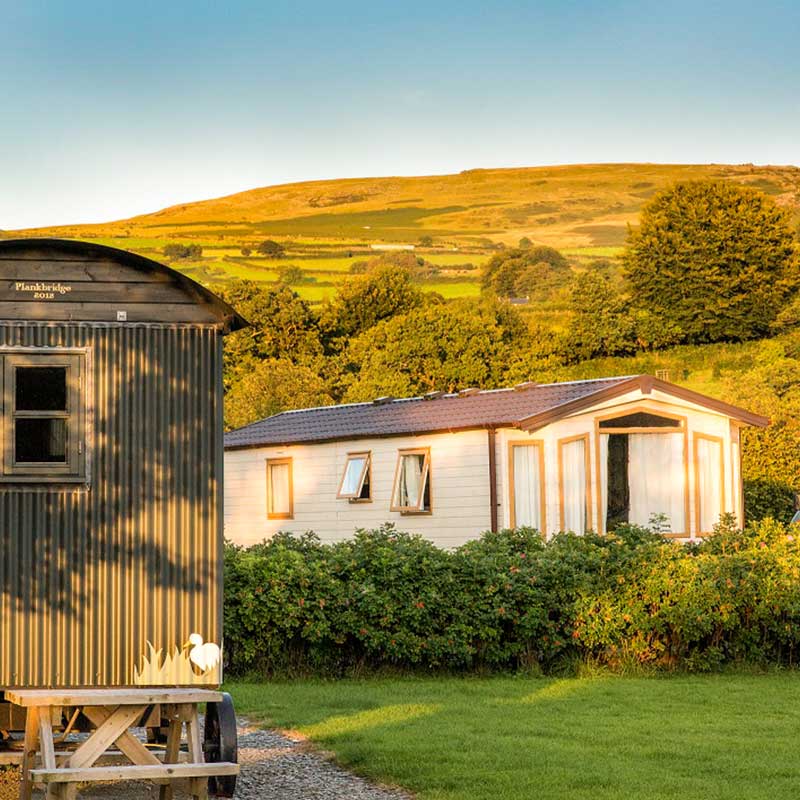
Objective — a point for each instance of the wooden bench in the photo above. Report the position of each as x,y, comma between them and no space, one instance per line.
113,712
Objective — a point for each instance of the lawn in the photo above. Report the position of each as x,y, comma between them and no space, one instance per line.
697,738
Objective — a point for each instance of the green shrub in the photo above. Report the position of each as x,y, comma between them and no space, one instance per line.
509,600
764,497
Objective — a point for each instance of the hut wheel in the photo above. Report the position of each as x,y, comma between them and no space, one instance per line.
220,743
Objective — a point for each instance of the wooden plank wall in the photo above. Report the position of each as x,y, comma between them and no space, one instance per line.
50,284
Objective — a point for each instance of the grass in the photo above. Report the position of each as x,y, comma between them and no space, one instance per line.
697,738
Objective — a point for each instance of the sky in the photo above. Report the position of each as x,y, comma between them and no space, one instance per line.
114,108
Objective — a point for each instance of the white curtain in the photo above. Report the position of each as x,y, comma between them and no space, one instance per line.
573,485
656,479
410,485
735,479
709,483
527,487
603,445
352,476
279,489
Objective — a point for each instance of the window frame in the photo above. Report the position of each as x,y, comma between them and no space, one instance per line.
587,479
75,469
539,444
426,481
683,428
366,475
698,508
274,462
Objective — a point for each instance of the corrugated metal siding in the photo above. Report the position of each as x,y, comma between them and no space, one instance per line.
89,576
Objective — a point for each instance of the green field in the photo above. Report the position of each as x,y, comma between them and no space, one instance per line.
694,738
459,276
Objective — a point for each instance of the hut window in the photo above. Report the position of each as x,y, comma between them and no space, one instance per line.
280,503
44,415
412,486
356,484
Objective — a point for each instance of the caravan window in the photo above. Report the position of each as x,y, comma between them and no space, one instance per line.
642,461
526,471
356,484
573,481
709,481
280,503
412,484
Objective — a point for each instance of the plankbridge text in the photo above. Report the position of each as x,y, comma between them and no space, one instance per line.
42,290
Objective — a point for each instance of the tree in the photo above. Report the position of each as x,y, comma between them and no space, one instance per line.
716,259
271,386
770,456
182,251
245,251
365,300
601,324
426,240
291,274
434,347
282,326
525,243
526,271
417,267
270,249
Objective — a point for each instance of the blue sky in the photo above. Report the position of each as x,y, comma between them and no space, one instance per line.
115,108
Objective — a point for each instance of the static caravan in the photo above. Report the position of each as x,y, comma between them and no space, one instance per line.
564,456
110,517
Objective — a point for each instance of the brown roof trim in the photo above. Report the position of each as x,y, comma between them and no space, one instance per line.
646,384
490,426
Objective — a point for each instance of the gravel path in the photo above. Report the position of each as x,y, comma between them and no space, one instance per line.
277,767
274,767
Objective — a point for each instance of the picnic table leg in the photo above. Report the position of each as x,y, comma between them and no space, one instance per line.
199,786
48,753
172,754
29,754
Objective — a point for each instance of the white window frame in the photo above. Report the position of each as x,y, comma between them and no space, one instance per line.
366,474
425,481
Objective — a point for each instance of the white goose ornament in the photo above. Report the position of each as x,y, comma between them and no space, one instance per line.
204,656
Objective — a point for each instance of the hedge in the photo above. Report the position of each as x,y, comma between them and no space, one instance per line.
509,600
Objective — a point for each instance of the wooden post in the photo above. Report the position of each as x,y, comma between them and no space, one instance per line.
31,746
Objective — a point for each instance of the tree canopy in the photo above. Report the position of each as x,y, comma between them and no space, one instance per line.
271,386
445,347
365,300
283,325
270,248
716,259
526,271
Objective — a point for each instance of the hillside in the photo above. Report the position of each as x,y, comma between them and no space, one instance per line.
584,210
570,206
